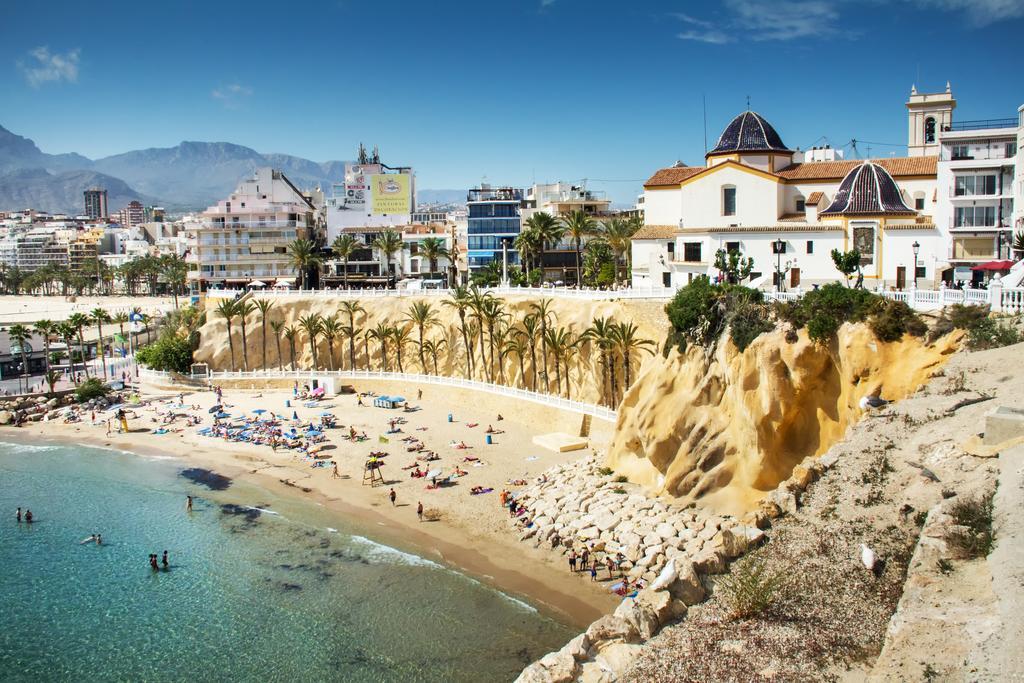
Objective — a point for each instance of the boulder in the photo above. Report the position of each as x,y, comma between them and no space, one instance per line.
6,417
665,530
735,541
611,628
644,620
577,647
784,499
687,586
659,602
708,561
618,658
628,539
560,667
801,477
606,521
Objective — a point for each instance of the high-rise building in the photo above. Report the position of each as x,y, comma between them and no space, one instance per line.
245,237
493,224
96,203
132,214
373,194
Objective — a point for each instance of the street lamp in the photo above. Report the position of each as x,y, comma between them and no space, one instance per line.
917,249
504,262
779,246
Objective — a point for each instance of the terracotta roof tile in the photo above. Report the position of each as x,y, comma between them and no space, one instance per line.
780,227
656,232
667,177
794,217
814,198
837,170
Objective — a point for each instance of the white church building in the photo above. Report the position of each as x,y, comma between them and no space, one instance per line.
789,209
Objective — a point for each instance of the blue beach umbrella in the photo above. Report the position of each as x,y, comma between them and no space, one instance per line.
295,415
222,416
259,411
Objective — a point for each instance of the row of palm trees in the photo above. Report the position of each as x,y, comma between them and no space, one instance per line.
148,273
542,230
70,331
487,336
305,255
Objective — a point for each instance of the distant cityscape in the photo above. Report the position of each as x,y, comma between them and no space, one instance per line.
947,213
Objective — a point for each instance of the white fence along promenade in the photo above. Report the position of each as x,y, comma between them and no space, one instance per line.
600,412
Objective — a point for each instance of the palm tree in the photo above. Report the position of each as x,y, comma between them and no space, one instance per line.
460,300
45,328
423,316
502,338
531,328
351,308
331,328
559,339
478,303
619,234
304,257
66,331
1018,243
227,309
601,333
433,249
264,306
388,243
577,226
100,316
526,244
547,230
120,318
311,325
244,308
433,347
366,346
80,321
569,353
278,327
401,336
627,342
381,333
542,311
291,333
52,377
19,334
494,314
175,272
518,345
343,247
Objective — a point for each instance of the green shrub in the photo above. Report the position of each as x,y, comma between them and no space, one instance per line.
891,319
988,333
973,535
700,312
169,353
957,317
90,389
604,471
621,479
751,587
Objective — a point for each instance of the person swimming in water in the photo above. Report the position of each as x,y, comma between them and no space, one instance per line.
18,514
87,540
164,562
152,562
28,516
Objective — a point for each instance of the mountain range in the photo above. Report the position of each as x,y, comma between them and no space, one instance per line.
188,176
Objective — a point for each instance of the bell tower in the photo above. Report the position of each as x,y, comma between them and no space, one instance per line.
928,115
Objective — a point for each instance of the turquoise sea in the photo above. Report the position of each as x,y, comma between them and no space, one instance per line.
259,587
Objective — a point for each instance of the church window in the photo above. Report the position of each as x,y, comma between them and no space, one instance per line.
929,130
728,201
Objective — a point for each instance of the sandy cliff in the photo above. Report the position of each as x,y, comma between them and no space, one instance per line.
725,429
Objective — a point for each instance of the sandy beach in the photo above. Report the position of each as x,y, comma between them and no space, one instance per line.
472,533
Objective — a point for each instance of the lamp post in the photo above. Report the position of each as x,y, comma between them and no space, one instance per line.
916,249
779,246
504,262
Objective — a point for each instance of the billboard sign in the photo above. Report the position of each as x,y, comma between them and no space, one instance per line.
357,184
391,193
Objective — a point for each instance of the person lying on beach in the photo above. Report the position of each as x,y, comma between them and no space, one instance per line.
460,445
459,472
478,490
470,458
473,424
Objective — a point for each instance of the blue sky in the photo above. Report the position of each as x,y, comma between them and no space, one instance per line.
511,91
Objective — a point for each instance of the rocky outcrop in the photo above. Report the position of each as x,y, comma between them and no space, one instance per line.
726,428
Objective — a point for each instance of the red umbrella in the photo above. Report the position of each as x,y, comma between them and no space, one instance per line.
994,266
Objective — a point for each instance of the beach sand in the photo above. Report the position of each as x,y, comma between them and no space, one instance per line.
473,532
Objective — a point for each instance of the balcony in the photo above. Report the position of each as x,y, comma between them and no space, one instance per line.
980,124
249,225
500,194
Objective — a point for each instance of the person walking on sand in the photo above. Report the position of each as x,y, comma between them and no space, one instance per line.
334,473
593,571
188,503
419,394
419,510
392,495
572,561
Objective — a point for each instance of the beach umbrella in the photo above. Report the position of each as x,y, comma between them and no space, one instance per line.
259,411
433,473
214,409
295,415
325,414
222,416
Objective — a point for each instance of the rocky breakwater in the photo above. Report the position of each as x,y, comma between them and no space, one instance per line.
723,427
666,549
32,408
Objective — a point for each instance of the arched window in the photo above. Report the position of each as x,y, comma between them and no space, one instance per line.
729,200
929,130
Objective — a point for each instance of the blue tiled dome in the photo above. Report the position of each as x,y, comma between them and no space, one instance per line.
868,189
749,132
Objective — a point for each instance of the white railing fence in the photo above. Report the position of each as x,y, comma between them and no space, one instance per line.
554,292
601,412
1000,299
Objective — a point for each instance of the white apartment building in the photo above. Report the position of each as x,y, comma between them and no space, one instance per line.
981,191
245,237
366,266
788,209
372,195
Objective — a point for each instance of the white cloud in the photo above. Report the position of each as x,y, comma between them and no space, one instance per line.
712,37
980,12
231,94
783,19
41,66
